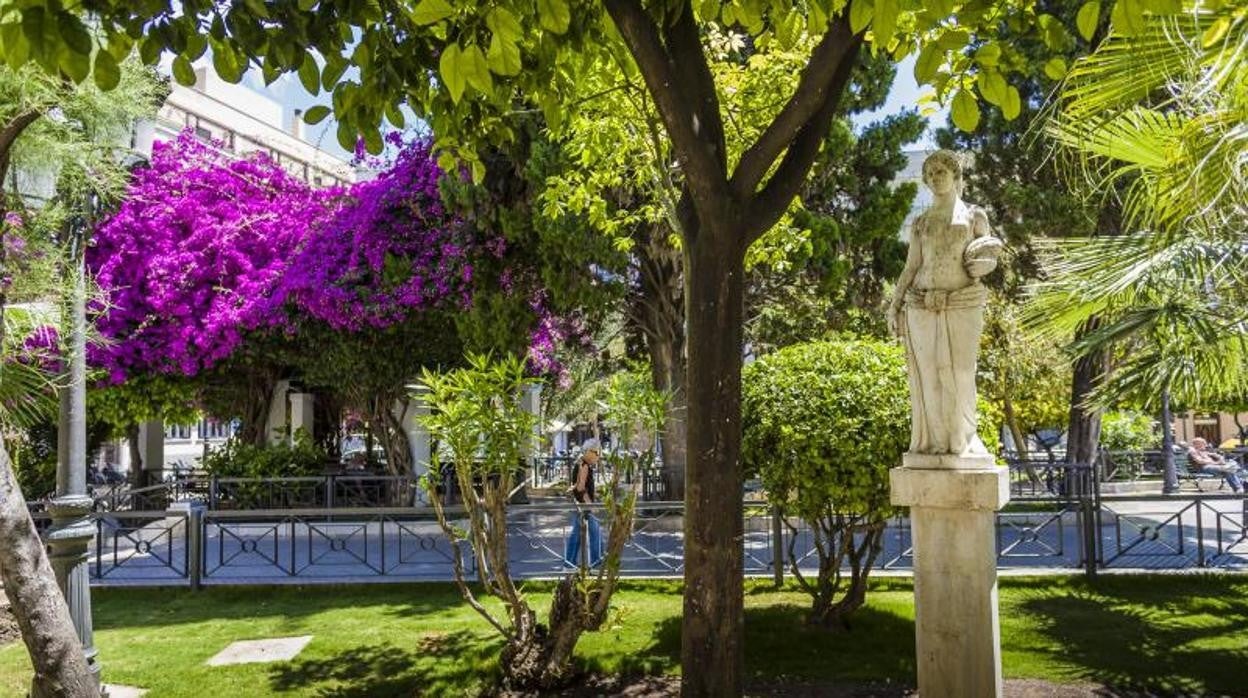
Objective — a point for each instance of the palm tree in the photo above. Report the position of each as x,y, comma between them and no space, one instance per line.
1157,116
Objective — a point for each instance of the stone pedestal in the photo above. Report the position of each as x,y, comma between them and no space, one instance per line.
952,503
68,540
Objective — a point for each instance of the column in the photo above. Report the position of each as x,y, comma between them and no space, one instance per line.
72,529
301,414
275,428
152,451
418,440
953,502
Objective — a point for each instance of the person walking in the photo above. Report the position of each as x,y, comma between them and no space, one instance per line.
582,492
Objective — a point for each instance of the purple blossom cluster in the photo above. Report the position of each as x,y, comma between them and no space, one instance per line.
195,256
42,347
207,250
550,333
388,250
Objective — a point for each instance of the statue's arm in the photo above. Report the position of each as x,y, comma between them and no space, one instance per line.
914,258
980,227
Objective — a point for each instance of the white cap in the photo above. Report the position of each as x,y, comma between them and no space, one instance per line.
591,444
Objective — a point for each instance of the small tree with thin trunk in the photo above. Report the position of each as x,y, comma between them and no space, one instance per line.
475,412
824,422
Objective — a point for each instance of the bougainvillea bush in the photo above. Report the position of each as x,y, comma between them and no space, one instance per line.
388,250
215,265
192,259
207,248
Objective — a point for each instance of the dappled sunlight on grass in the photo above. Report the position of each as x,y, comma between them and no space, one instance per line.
1170,633
1176,633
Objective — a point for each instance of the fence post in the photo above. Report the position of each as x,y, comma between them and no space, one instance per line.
1200,534
195,546
1088,521
213,492
777,546
329,491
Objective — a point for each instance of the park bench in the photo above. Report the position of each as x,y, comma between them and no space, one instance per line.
1186,475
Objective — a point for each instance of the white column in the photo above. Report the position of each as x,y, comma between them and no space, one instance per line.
152,450
275,427
418,440
302,413
531,401
953,502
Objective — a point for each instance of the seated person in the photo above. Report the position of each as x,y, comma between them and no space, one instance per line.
1203,458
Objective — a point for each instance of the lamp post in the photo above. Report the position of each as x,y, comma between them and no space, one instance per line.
72,530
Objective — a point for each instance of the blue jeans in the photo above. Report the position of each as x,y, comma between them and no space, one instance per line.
572,551
1228,470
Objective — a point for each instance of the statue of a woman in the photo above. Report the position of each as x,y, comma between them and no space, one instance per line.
938,312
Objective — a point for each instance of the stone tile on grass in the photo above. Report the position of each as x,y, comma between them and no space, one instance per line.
276,649
115,691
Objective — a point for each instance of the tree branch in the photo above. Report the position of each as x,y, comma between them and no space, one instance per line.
815,86
766,207
9,134
680,82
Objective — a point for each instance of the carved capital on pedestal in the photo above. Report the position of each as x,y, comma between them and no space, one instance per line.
71,521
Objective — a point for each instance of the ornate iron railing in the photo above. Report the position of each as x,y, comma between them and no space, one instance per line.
194,544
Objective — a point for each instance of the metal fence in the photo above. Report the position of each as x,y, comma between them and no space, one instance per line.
1056,519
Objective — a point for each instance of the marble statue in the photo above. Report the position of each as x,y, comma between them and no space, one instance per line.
938,312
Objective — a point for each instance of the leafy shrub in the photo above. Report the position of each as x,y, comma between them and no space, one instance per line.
1128,430
1125,434
34,460
823,424
238,458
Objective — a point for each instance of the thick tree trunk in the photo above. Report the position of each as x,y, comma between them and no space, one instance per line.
255,412
389,428
660,310
713,629
1083,436
29,581
37,603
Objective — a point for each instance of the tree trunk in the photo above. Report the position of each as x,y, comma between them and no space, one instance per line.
659,309
1083,436
29,582
37,603
1170,473
393,438
136,455
255,413
713,624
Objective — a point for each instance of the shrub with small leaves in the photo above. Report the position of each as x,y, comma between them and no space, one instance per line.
823,423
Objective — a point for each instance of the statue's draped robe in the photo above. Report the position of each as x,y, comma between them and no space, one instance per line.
947,324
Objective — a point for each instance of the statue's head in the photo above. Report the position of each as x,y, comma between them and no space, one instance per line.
948,161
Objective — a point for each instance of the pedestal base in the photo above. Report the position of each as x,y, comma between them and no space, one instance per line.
68,540
953,531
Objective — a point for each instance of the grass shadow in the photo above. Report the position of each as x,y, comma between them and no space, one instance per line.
127,608
878,646
1175,635
439,664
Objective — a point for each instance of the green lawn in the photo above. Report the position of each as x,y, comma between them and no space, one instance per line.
1173,633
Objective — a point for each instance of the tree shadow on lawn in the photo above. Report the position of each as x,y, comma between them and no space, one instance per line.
1169,636
129,608
439,664
781,646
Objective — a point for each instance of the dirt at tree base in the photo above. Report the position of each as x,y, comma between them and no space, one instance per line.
9,632
669,686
